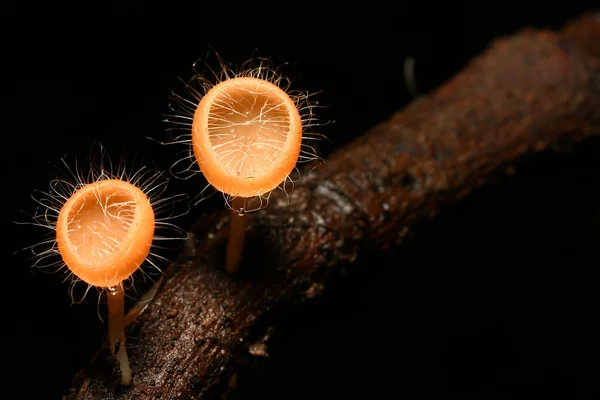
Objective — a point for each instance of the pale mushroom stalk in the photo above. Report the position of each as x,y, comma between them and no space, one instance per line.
237,233
116,331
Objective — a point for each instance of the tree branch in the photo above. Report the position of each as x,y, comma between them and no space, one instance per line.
523,94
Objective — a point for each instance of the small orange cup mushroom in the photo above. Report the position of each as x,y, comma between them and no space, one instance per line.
246,132
102,225
246,137
104,233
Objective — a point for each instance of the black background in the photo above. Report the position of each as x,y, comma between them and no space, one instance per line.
496,298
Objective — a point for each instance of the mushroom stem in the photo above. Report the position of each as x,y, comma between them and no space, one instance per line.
116,331
237,232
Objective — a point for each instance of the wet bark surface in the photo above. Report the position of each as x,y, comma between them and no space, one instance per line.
526,93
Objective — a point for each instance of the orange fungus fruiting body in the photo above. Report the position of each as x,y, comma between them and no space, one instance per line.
104,231
246,136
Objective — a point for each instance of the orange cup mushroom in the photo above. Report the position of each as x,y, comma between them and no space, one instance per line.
104,232
246,138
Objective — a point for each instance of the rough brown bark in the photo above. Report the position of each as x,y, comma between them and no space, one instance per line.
523,94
